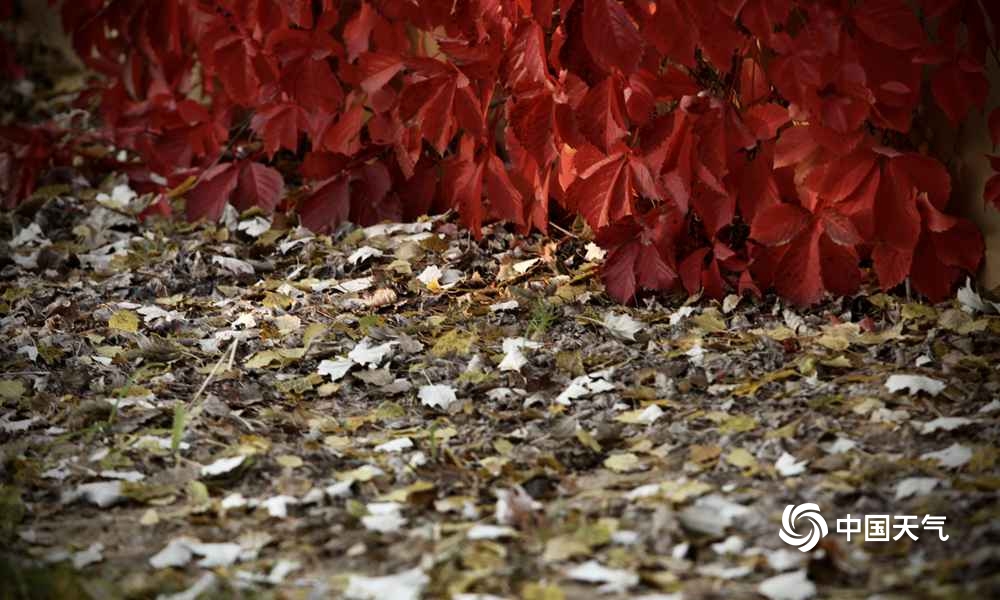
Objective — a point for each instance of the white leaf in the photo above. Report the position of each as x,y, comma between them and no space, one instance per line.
362,254
504,306
277,506
440,396
175,554
594,253
915,384
514,503
371,356
993,406
650,414
787,466
945,424
408,585
915,486
234,265
89,556
179,552
221,466
623,326
489,532
31,233
430,275
525,265
614,580
255,227
952,457
234,500
101,493
215,555
973,302
788,586
513,358
680,314
396,445
335,369
123,475
352,285
384,517
784,559
585,385
841,445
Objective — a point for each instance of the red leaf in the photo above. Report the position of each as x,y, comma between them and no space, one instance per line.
840,229
795,144
311,83
327,207
377,69
890,22
779,224
532,119
602,114
994,123
639,254
235,67
343,136
526,67
358,30
279,126
618,272
259,185
604,193
992,192
207,199
766,119
438,106
957,91
611,37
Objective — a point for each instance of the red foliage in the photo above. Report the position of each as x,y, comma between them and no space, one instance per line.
735,144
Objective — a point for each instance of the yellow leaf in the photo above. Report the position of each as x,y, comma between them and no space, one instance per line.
538,591
454,342
564,547
623,463
742,459
124,320
289,461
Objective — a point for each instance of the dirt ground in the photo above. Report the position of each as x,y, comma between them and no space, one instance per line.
406,412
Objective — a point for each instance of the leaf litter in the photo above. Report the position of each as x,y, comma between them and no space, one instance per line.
380,414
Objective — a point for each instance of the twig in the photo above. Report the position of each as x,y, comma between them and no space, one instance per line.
215,369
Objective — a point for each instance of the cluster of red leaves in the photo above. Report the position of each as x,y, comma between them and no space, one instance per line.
712,145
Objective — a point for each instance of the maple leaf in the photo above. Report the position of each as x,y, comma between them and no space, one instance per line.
463,178
949,247
207,199
605,188
440,104
814,252
279,126
891,22
611,37
602,114
640,253
959,86
258,185
236,67
344,136
700,271
328,206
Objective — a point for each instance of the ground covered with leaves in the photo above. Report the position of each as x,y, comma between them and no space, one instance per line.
250,410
